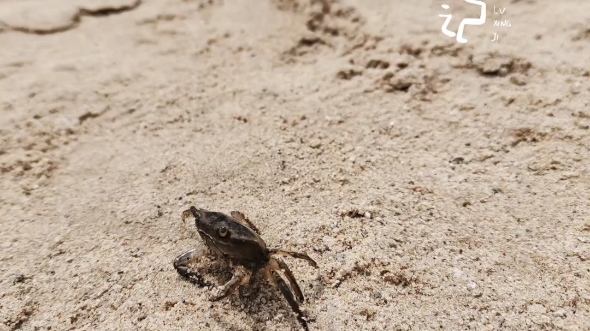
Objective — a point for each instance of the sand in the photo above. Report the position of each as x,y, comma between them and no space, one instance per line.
439,185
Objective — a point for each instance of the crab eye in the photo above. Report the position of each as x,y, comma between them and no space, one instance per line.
222,232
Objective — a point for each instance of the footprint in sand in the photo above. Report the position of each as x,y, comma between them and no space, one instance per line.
53,16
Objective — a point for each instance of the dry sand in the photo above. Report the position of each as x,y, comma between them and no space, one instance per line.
471,161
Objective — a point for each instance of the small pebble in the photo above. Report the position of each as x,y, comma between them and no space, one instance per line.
315,144
458,160
19,279
518,79
328,241
537,308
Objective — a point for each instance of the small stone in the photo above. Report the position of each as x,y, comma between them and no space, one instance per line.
471,286
569,175
315,144
457,273
537,309
328,241
458,160
368,215
19,278
584,239
518,79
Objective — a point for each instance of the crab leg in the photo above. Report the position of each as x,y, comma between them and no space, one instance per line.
181,265
295,255
241,277
240,217
277,264
275,279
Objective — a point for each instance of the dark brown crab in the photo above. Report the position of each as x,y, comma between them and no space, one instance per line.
236,239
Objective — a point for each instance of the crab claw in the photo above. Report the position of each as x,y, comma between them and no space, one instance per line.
186,214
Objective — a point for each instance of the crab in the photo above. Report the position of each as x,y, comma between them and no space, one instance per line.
236,239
